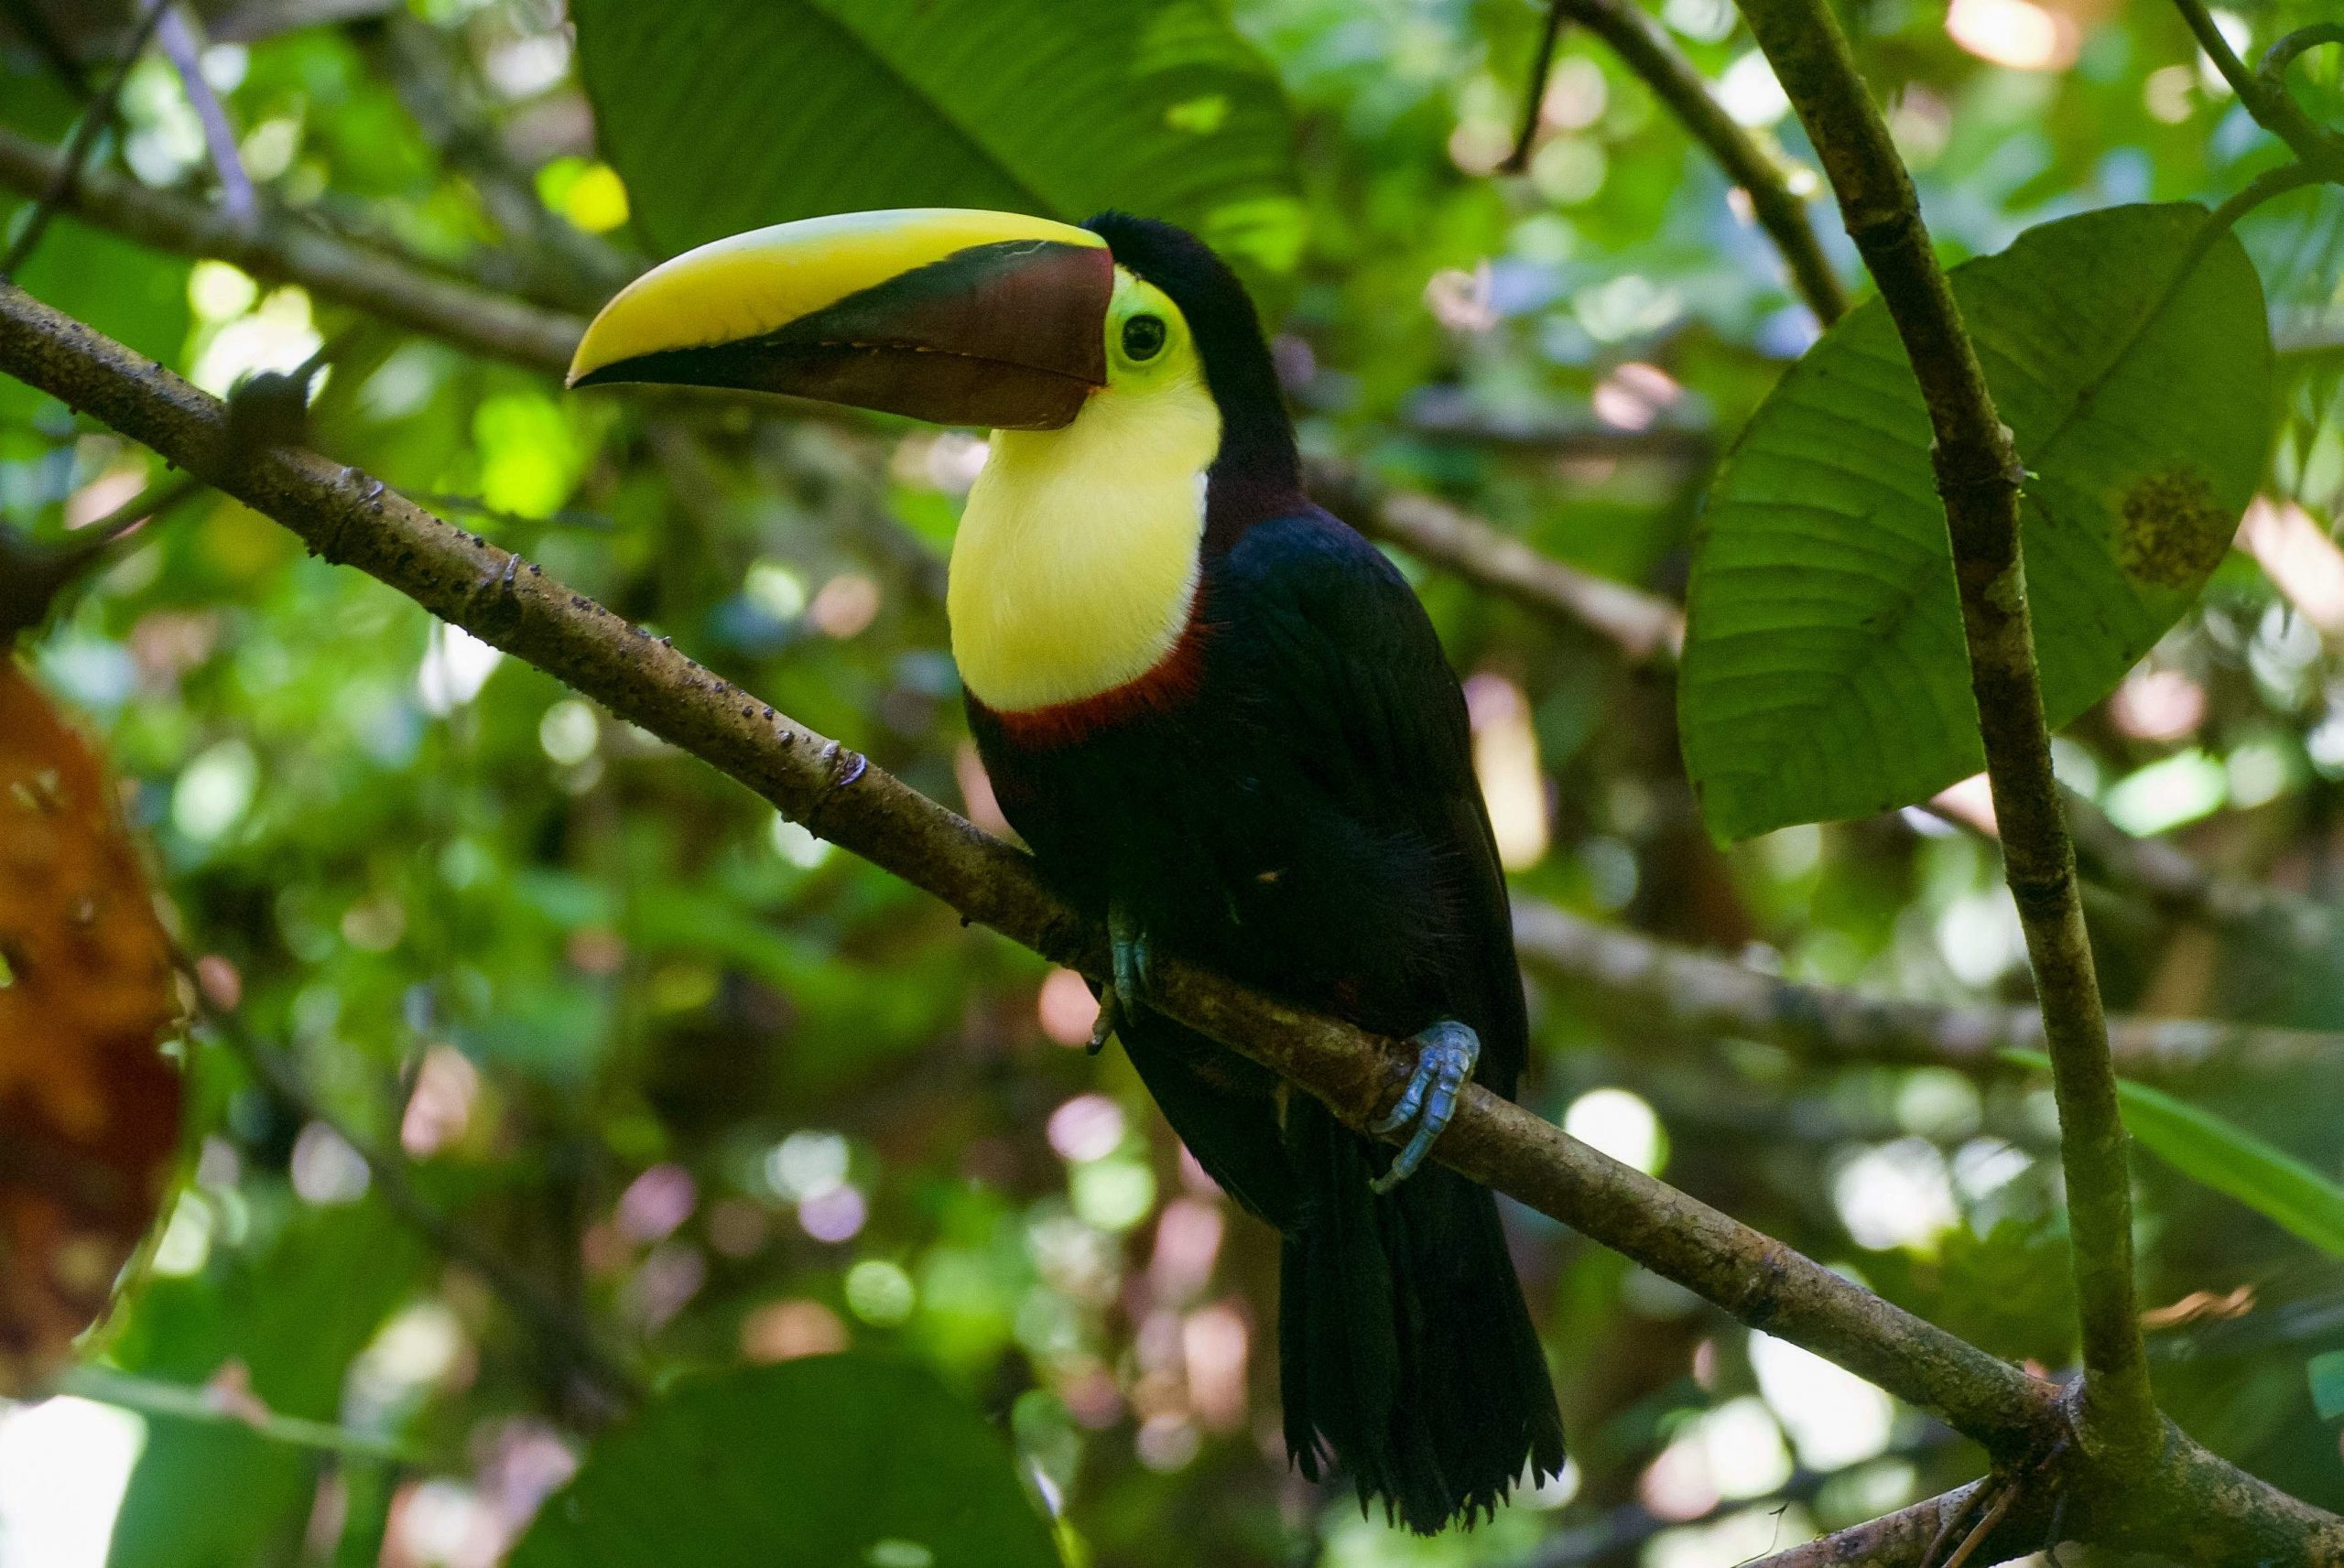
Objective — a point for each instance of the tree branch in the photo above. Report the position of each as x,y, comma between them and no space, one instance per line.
1645,50
281,247
2264,94
1914,1537
1640,983
350,519
96,116
1979,475
1647,627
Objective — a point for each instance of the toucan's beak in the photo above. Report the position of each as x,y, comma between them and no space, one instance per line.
956,316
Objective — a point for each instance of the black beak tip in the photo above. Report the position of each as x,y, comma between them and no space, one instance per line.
600,375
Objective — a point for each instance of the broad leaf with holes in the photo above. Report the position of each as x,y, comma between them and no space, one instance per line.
830,1462
1824,674
727,115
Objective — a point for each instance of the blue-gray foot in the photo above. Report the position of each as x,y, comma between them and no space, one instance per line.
1125,997
1445,1056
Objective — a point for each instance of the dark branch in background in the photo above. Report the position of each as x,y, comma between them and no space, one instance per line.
286,248
1648,52
1647,627
561,1330
36,574
2186,1497
2178,886
32,22
1638,982
283,248
1979,475
1533,93
97,117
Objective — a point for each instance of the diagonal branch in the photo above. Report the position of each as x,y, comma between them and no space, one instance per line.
1979,475
351,519
1645,50
97,118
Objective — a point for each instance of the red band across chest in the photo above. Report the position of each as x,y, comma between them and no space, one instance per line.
1168,684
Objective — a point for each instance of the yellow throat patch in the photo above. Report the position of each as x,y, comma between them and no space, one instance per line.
1078,555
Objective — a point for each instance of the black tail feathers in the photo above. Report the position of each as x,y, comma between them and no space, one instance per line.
1407,1357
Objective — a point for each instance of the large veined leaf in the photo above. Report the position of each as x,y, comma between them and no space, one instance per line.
832,1462
1824,673
2228,1158
727,115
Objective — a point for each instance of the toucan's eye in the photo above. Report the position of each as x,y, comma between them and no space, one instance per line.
1144,337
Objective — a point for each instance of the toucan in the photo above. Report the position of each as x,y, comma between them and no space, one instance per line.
1225,725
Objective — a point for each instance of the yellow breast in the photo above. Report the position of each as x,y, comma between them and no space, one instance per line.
1076,559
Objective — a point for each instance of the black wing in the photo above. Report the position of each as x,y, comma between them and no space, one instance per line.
1347,685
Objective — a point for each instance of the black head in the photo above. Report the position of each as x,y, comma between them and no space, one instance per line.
1258,472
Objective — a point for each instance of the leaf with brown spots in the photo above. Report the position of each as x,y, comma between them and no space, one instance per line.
89,1109
2174,532
1825,674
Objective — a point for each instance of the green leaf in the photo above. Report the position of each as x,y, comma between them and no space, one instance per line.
831,1461
2327,1384
293,1313
1825,674
2226,1157
726,114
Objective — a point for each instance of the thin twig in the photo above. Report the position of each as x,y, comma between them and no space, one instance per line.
2006,1495
555,1323
1534,94
2271,184
95,120
176,1401
35,574
2181,1498
283,248
2273,73
2265,97
1648,52
28,19
1979,475
179,47
1906,1538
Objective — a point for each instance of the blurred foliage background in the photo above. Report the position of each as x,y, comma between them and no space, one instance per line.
726,1100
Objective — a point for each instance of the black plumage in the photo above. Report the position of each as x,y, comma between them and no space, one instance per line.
1289,800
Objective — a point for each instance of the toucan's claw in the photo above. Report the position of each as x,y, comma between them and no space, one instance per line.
1124,997
1446,1054
1111,1019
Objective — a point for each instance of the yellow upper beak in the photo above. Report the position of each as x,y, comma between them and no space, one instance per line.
952,315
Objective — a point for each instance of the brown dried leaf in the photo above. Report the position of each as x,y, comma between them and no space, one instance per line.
89,1109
